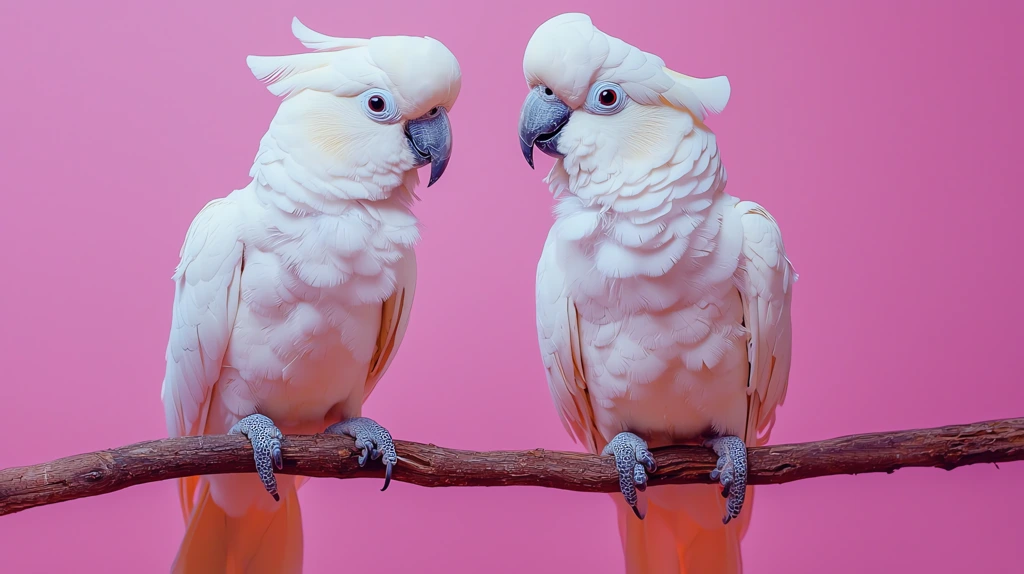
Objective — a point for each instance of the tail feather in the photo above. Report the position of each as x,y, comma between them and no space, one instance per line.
258,542
682,532
187,494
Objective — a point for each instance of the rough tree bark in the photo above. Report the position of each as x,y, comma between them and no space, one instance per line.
333,456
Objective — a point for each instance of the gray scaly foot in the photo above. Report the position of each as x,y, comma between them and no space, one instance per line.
266,447
374,439
633,461
731,472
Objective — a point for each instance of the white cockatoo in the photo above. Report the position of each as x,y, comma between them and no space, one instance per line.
293,293
663,303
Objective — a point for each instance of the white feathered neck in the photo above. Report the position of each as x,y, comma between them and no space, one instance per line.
639,218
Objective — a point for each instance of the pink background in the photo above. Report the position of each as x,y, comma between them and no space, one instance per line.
884,137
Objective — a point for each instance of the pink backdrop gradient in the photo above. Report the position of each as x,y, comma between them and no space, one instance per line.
883,136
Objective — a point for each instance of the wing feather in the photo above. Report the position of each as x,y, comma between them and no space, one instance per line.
765,280
560,346
394,322
206,297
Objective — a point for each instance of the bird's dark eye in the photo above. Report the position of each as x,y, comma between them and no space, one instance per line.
376,104
605,98
433,111
608,98
379,106
548,92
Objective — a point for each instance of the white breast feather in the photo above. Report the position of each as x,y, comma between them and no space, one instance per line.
660,298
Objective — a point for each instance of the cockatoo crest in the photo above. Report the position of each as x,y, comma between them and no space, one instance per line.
420,72
568,54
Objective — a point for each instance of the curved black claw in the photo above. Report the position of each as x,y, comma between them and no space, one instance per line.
731,472
374,439
266,447
633,461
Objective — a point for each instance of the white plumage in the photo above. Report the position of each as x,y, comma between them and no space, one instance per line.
663,303
293,294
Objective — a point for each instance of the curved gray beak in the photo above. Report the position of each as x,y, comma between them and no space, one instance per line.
540,122
430,139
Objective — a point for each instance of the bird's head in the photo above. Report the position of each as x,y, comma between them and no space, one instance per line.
366,111
596,99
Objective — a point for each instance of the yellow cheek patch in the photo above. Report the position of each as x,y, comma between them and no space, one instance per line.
649,130
338,128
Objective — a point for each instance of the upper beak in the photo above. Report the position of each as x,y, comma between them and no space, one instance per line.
540,122
430,138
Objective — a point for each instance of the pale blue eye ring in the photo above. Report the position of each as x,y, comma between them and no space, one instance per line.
379,105
605,98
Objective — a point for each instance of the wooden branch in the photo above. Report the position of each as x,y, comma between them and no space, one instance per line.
332,456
